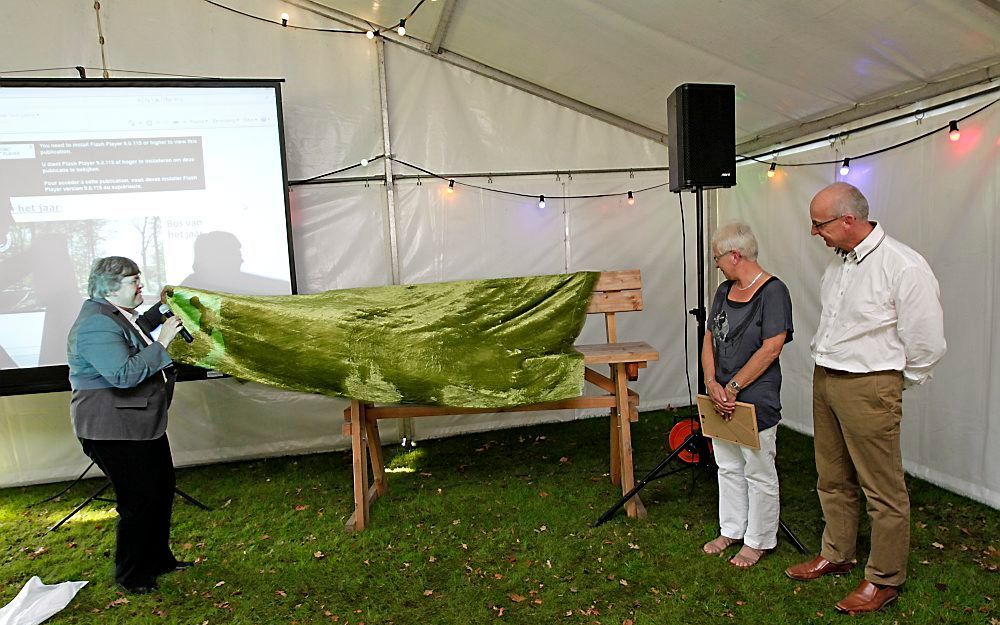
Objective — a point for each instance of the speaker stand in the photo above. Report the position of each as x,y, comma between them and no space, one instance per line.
96,496
699,312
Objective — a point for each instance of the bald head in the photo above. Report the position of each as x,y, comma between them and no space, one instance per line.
841,198
839,215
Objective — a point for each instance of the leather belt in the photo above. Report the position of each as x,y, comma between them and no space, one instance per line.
830,371
838,372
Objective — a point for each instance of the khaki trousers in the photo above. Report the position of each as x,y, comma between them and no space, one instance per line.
856,418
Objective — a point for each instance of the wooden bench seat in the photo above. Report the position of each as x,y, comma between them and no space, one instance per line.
615,292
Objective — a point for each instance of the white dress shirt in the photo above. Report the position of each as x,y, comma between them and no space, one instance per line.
133,318
881,311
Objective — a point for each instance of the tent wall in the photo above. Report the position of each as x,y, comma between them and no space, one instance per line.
941,198
441,118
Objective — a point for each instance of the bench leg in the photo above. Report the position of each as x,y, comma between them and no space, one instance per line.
377,459
633,507
359,453
616,449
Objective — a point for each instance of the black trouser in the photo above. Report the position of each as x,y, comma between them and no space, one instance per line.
142,473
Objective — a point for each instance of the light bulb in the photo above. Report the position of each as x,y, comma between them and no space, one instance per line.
401,29
953,132
284,19
771,170
845,168
370,34
631,199
451,186
364,162
541,201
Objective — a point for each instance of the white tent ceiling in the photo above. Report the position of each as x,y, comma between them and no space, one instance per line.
792,62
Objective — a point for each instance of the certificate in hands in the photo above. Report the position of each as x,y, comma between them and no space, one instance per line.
740,429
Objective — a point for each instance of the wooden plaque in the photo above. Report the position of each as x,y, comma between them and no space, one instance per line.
740,429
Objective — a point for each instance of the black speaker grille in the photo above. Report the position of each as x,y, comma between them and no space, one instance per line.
701,140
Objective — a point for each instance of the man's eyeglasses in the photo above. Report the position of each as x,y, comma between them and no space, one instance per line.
131,279
718,256
817,226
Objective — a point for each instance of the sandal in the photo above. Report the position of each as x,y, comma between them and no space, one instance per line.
720,544
747,557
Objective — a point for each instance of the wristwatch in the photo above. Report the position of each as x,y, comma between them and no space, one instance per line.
733,384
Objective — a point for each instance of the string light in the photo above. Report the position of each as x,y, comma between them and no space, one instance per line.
630,195
451,186
772,170
283,20
953,132
631,199
845,168
919,115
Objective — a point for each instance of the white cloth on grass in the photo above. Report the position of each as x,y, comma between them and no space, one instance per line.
37,602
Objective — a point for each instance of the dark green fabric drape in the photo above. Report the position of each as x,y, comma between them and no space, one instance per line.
475,343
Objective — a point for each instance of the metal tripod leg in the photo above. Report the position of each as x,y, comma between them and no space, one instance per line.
65,490
96,495
191,499
652,475
691,439
792,537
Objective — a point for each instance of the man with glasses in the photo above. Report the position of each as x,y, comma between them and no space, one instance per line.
881,330
121,390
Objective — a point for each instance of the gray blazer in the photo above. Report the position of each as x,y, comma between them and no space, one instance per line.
118,390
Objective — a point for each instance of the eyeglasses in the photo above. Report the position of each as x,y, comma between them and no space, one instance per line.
718,256
817,226
131,279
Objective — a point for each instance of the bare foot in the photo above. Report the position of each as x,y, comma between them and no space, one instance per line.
747,557
720,544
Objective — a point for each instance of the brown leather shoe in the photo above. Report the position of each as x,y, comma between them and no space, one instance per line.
867,597
817,567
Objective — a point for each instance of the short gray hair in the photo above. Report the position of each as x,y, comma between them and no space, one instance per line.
736,236
850,201
107,273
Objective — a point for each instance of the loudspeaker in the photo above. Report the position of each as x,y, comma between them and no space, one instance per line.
701,140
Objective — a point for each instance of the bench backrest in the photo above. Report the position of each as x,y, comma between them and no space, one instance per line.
616,291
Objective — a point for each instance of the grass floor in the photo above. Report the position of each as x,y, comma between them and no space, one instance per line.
491,527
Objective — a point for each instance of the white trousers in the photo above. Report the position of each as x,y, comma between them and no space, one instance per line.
748,491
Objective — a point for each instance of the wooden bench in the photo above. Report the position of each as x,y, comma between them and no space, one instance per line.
615,292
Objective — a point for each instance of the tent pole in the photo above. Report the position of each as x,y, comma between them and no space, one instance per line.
390,197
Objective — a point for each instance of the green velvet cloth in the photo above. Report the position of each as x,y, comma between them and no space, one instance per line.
474,343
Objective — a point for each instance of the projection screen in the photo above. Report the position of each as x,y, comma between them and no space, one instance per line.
187,178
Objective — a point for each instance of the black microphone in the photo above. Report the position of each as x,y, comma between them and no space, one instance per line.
166,312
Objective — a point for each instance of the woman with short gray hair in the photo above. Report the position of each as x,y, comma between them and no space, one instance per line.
107,273
750,321
122,382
